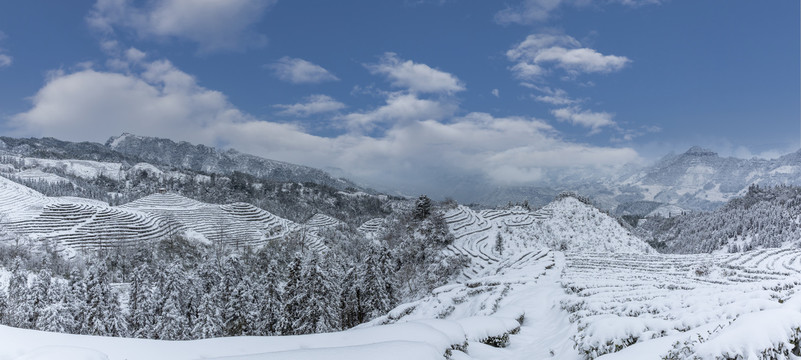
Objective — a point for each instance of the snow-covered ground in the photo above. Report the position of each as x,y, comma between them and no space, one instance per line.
563,282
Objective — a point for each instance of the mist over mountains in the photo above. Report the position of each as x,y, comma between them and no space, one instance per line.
698,179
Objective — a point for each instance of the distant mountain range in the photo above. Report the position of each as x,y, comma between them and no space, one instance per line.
698,179
130,149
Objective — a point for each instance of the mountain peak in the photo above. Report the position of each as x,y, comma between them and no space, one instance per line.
699,151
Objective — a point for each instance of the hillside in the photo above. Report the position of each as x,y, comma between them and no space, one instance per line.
73,224
211,160
607,296
764,217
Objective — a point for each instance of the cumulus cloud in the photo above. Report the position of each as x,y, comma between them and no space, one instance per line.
314,104
495,93
534,55
212,24
424,142
415,77
576,116
399,107
299,71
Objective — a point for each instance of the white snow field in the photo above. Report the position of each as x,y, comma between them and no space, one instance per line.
563,282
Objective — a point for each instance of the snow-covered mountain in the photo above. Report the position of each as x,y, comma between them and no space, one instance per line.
211,160
698,179
126,150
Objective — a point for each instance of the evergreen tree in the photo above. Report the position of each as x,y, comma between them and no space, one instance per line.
499,244
20,309
172,323
40,294
422,208
293,297
209,323
55,317
379,297
137,296
351,299
270,301
318,299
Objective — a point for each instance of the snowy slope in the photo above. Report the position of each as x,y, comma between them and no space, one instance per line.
606,296
76,224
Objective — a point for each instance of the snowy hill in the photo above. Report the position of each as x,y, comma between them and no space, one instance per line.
565,224
563,282
211,160
73,224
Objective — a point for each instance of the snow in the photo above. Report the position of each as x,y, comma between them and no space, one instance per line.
86,169
145,167
400,341
581,284
39,175
119,139
478,328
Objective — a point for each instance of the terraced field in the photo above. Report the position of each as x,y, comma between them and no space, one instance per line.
561,225
622,300
75,224
72,226
371,227
607,295
238,224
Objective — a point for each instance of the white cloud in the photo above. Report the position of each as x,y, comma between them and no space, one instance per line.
423,141
134,55
496,93
212,24
527,12
538,51
553,96
299,71
576,116
536,11
400,107
415,77
314,104
5,60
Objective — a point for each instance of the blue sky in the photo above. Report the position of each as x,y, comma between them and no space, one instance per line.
411,93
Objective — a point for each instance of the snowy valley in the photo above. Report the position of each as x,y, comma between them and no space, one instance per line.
413,279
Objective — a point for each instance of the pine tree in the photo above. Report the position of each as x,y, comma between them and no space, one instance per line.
56,317
270,301
137,295
499,244
172,324
351,299
103,314
3,307
293,297
378,295
209,323
422,208
76,301
40,294
20,310
318,299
